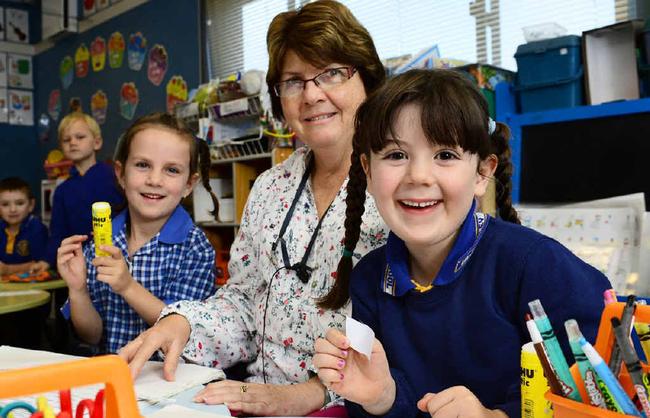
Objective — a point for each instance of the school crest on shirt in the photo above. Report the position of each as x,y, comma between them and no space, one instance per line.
22,248
389,281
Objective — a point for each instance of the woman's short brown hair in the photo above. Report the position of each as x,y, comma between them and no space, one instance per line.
321,33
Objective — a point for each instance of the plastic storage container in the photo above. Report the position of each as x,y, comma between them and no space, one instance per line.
567,408
550,74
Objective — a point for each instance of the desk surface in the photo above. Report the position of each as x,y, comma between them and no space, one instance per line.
46,285
19,301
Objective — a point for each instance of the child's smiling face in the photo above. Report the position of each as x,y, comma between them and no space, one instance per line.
422,191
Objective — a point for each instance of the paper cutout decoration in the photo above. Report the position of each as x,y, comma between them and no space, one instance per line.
82,61
66,71
176,92
99,106
21,109
116,50
102,4
136,50
74,105
17,25
89,7
54,104
98,53
158,64
4,109
129,99
3,68
19,71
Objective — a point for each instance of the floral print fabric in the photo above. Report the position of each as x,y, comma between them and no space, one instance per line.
264,314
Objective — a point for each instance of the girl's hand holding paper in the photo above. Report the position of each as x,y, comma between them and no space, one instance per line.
352,375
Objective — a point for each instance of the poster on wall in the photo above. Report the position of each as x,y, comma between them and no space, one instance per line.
17,25
3,69
19,71
136,51
98,53
129,99
2,24
176,92
102,4
66,71
4,110
54,104
116,48
21,109
157,64
81,61
99,106
89,7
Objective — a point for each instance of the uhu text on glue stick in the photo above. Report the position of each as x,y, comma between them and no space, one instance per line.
533,385
102,228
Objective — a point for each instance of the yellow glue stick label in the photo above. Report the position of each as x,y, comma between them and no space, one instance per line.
533,385
102,227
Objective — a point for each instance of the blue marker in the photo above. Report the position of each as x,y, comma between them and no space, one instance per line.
554,351
610,380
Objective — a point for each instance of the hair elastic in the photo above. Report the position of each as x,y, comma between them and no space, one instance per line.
492,126
347,253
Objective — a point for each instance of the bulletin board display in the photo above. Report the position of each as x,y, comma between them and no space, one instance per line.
119,70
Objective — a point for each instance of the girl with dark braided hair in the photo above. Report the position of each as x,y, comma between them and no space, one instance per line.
447,295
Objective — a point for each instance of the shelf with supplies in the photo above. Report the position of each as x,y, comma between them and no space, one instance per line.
577,153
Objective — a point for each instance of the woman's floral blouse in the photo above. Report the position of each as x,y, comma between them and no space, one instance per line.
235,325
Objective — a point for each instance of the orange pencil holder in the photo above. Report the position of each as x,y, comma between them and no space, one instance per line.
109,370
567,408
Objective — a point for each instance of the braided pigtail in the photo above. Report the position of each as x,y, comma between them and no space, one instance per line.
503,174
355,201
204,168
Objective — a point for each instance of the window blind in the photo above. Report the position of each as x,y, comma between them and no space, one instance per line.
486,31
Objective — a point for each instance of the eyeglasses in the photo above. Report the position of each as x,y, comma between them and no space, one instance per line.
329,78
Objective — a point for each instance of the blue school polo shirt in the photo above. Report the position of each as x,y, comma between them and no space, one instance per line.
29,244
72,203
469,328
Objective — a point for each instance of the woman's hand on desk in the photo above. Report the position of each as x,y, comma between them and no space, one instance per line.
354,377
258,399
170,335
71,264
456,401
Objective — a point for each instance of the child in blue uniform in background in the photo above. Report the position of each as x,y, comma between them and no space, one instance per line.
23,236
90,181
158,255
446,296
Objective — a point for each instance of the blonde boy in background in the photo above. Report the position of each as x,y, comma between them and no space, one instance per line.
23,236
90,181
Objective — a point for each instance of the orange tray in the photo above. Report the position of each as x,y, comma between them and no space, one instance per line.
109,370
567,408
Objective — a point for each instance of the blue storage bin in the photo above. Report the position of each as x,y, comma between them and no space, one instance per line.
550,74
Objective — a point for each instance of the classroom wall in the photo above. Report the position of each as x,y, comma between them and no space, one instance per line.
171,23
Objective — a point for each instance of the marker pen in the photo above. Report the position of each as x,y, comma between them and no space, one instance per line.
555,355
632,364
538,344
608,377
616,358
587,372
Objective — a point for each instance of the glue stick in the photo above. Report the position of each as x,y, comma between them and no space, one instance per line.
102,228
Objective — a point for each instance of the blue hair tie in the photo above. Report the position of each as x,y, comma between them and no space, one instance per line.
347,253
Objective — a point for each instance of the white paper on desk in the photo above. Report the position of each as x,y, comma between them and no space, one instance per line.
149,386
360,335
152,387
176,411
